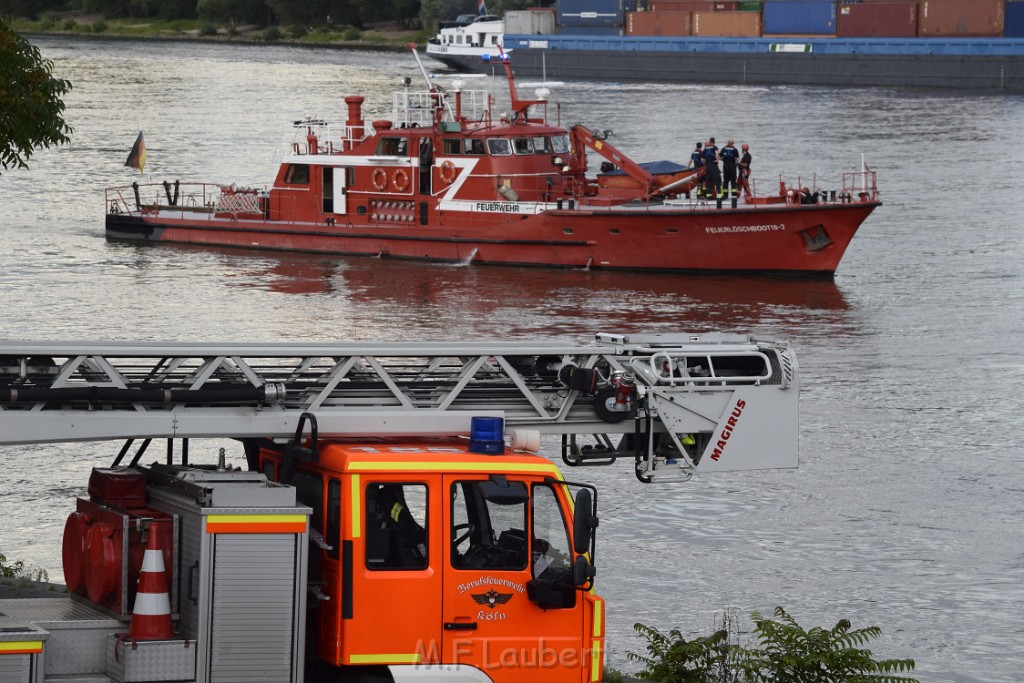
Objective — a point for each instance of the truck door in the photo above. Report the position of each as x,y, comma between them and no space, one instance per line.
504,534
395,599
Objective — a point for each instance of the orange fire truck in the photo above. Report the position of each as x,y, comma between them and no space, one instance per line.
394,520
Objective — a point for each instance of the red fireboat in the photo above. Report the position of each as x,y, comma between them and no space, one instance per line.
443,179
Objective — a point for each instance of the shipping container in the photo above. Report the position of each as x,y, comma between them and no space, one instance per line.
732,24
593,13
800,17
1013,26
590,30
957,18
877,20
658,23
681,6
750,6
530,22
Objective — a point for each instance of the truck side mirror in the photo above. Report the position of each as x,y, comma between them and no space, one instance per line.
582,571
584,521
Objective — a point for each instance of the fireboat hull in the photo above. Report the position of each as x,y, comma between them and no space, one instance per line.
665,238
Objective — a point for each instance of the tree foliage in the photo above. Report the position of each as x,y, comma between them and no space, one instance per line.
356,13
784,653
789,653
673,659
19,570
31,109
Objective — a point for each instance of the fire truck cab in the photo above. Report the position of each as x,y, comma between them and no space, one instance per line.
424,554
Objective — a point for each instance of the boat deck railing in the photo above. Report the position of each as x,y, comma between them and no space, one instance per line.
416,108
186,199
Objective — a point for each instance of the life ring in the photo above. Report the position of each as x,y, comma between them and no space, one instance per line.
379,178
400,179
448,172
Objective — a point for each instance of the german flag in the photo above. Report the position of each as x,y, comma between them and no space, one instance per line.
137,158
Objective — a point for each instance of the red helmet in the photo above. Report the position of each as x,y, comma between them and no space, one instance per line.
744,147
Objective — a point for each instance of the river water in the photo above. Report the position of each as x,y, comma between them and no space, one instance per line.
907,509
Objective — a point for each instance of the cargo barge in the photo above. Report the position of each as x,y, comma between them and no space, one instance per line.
904,43
964,63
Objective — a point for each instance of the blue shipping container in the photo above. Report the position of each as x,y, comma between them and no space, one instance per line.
800,17
590,13
1013,27
589,30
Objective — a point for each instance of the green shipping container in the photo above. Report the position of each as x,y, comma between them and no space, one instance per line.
750,6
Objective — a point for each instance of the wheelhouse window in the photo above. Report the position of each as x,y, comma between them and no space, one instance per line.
297,174
474,146
396,526
489,525
451,146
499,147
542,145
522,145
560,144
393,147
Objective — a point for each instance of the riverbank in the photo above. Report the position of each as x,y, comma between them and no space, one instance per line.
378,37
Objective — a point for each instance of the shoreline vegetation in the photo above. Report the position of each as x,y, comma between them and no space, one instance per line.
382,37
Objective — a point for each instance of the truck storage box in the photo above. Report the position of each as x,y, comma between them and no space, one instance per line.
150,660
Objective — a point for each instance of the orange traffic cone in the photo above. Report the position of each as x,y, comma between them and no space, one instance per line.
151,617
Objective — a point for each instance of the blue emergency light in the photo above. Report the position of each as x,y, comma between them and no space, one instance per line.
487,435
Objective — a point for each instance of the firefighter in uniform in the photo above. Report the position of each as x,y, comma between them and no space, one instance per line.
730,155
745,160
711,172
697,162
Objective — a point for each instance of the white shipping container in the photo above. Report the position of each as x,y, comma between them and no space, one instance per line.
530,23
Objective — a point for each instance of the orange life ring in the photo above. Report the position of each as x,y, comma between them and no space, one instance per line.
379,178
400,179
448,171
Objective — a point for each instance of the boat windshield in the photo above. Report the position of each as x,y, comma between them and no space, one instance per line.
522,145
499,147
542,145
392,146
560,144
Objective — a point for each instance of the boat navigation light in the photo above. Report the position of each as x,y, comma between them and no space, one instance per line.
457,85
